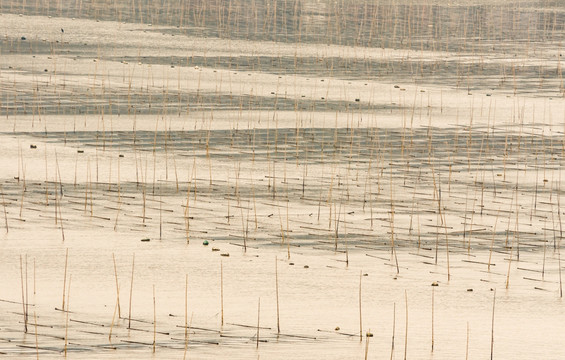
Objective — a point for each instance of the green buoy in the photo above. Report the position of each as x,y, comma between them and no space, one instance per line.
205,243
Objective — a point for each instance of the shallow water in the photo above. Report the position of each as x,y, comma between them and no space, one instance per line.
330,146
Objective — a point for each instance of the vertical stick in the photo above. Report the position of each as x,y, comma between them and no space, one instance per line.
406,328
154,320
467,347
360,314
65,278
5,211
117,286
433,292
36,340
67,319
222,290
112,323
23,296
258,317
131,291
27,300
186,308
492,327
559,264
393,330
277,293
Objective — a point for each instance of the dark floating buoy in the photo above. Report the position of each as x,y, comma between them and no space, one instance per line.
80,151
435,283
33,146
45,70
121,155
369,334
291,263
215,249
23,38
357,100
306,266
225,254
469,290
337,328
205,243
396,87
146,240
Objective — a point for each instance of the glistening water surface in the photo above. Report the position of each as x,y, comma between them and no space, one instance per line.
339,158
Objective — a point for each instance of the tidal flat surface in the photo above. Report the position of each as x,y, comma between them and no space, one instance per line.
337,158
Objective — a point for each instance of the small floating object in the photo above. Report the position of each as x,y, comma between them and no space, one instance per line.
225,254
45,70
23,38
435,283
291,263
80,151
369,334
146,240
33,146
365,274
396,87
205,243
469,290
357,100
306,266
121,155
337,328
215,249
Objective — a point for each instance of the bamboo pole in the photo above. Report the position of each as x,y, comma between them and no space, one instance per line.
492,327
117,286
65,278
258,318
23,296
131,291
277,294
360,314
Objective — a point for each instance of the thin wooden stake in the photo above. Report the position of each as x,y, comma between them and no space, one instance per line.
186,308
277,293
406,328
360,314
258,317
222,290
23,296
492,327
433,292
112,323
117,286
67,319
65,278
131,291
467,347
393,330
36,340
154,320
5,211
